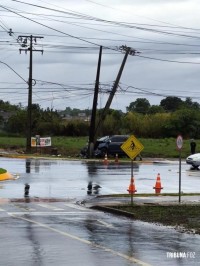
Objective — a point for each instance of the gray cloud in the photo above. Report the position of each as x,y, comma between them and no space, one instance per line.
150,27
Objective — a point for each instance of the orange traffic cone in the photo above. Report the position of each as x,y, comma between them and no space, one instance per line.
116,158
131,189
105,159
158,186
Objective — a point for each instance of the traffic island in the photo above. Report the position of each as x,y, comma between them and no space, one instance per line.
4,175
184,218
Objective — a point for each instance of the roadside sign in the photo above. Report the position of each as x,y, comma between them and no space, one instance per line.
132,147
40,142
179,142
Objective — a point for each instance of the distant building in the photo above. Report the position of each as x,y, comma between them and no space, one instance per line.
80,116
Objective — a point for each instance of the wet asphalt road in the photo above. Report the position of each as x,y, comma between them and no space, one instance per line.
64,232
69,179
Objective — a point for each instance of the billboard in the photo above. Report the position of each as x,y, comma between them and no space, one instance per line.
37,141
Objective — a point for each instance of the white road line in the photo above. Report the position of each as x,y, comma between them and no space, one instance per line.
48,206
77,207
124,256
105,224
2,210
48,213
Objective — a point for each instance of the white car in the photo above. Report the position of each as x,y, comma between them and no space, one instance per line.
194,160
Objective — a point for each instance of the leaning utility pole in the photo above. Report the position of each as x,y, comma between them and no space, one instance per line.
94,108
26,43
128,51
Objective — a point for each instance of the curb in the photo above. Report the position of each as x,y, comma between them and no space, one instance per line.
113,210
6,176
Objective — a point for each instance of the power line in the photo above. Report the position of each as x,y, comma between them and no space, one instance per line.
110,22
51,28
170,61
13,71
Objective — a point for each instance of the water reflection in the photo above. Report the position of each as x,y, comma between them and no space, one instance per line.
96,168
26,190
28,166
62,178
36,258
131,240
89,187
35,164
93,188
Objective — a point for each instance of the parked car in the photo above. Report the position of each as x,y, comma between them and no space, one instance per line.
110,145
194,160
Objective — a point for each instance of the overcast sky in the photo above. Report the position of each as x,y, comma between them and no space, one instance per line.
165,35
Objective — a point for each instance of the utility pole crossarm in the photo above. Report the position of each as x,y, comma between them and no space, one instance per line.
23,41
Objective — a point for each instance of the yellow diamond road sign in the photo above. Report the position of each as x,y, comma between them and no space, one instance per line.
132,147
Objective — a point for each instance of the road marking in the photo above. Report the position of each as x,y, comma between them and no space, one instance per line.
47,206
77,207
48,213
124,256
105,224
2,210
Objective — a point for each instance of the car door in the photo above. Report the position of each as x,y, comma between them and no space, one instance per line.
115,144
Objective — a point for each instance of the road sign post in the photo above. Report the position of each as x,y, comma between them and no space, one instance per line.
132,147
179,145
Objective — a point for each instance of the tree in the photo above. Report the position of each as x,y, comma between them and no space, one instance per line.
190,104
141,105
171,103
155,109
184,121
17,123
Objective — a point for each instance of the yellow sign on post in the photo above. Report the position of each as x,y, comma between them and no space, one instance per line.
132,147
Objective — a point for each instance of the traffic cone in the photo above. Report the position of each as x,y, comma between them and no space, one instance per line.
116,158
105,159
158,186
131,189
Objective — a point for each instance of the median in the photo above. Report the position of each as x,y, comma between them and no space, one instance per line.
185,216
4,175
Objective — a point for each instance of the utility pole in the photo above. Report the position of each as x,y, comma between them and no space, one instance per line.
128,51
94,108
26,43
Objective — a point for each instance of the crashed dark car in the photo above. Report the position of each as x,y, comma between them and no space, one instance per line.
110,145
84,150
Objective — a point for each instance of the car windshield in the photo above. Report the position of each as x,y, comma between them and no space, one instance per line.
103,138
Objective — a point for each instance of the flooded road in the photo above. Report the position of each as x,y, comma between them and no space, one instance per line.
64,233
67,179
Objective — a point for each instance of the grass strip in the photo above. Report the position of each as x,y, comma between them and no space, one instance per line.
183,217
2,171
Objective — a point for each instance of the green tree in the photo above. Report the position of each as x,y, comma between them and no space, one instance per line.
154,109
185,122
17,123
171,103
6,106
190,104
152,126
141,105
132,123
